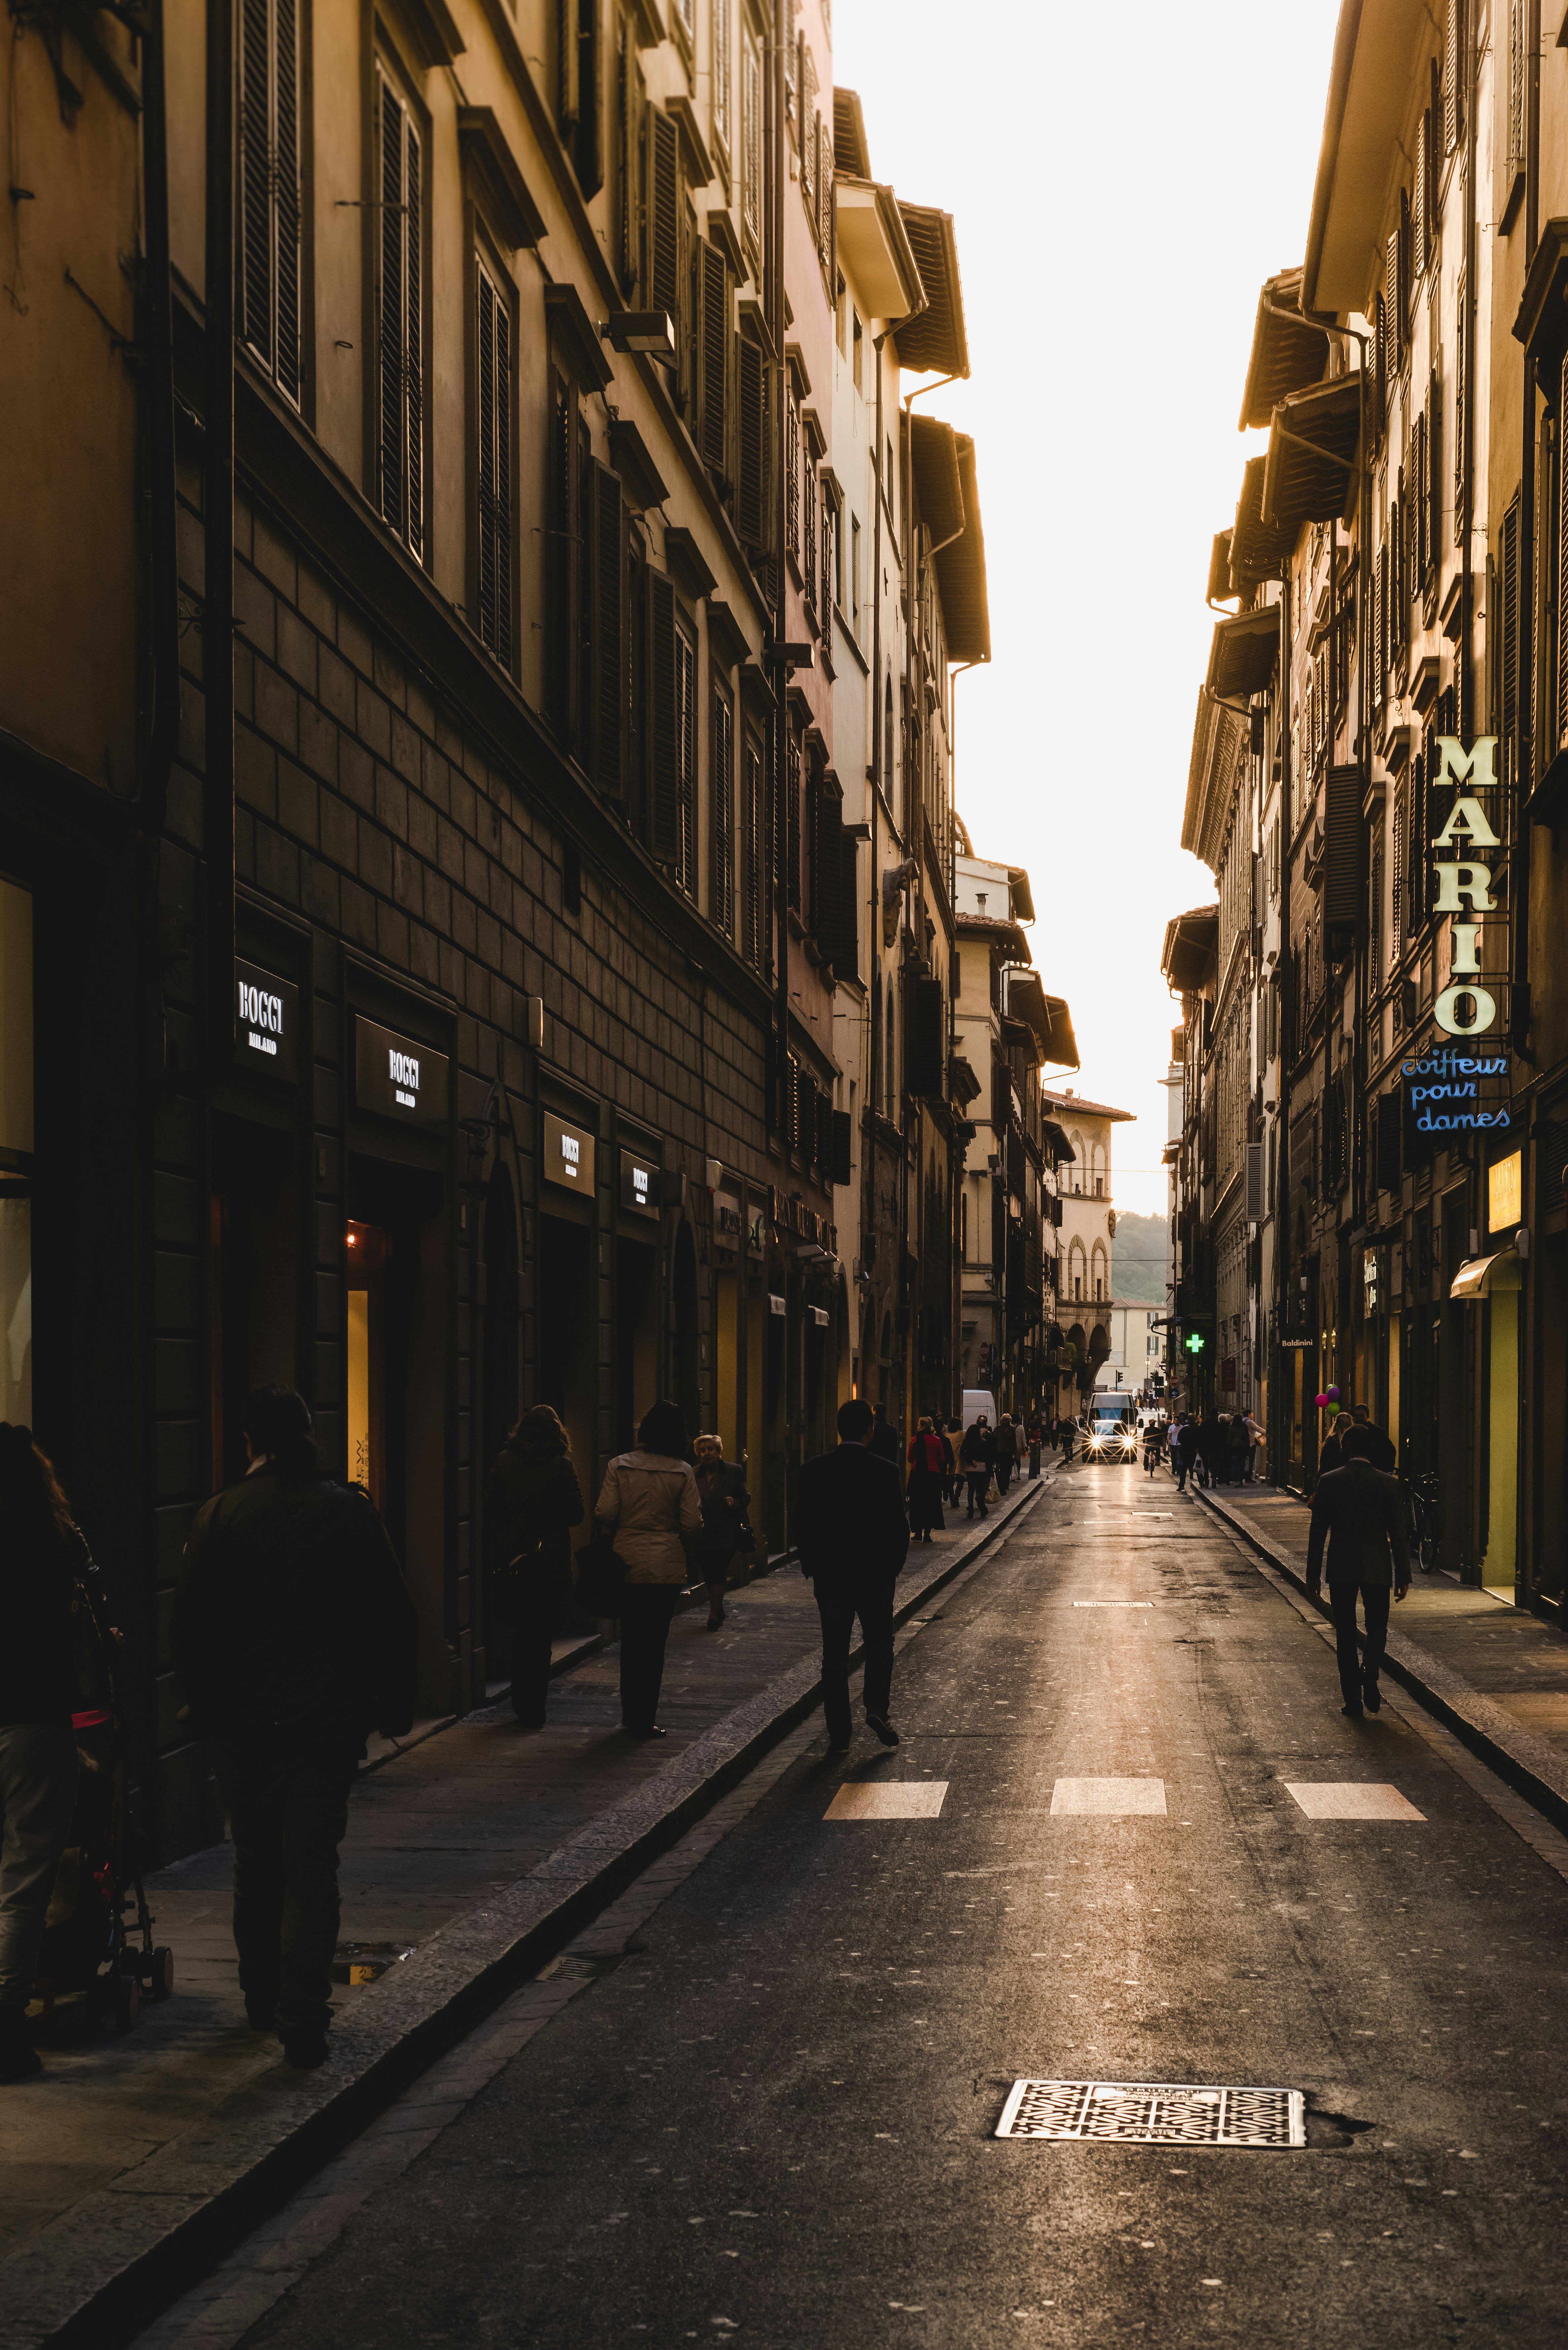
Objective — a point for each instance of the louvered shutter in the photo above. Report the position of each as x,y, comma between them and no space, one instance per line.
1391,303
751,829
723,906
628,142
494,515
1404,267
715,281
1562,459
792,482
791,783
413,339
1379,623
750,502
1508,553
807,134
610,632
808,532
1418,203
286,210
1459,471
269,207
1423,506
391,338
563,561
664,799
1435,471
686,758
1379,368
1515,81
663,213
846,960
826,869
1453,97
751,139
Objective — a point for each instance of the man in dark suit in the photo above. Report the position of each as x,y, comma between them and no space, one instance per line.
854,1536
884,1440
1360,1512
1382,1455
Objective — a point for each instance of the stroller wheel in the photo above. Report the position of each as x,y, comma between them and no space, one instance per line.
125,1997
157,1971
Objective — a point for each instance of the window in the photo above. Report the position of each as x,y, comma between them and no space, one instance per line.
890,1062
751,138
809,532
724,906
630,102
710,288
754,912
855,572
587,599
399,319
722,71
270,211
493,521
1077,1289
578,95
686,755
792,819
858,346
792,483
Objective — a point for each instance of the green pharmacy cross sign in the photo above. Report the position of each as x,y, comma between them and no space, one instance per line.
1194,1342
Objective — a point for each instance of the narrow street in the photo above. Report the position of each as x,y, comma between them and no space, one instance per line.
760,2095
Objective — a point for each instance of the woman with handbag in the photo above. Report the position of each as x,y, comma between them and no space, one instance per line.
649,1497
927,1470
534,1501
726,1526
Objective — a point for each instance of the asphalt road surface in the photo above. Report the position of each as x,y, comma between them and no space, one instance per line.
769,2107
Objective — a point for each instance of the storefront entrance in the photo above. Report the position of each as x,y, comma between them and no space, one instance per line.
255,1277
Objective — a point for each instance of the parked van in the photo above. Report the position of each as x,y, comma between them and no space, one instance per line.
977,1400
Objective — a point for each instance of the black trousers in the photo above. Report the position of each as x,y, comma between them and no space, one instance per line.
871,1598
645,1609
533,1623
288,1810
1005,1464
1359,1674
979,1485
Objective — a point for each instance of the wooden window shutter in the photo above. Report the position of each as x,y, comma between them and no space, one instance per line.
752,831
1509,660
792,482
1423,505
269,205
494,516
663,213
792,821
715,338
391,335
807,135
664,798
1418,203
413,343
1379,368
686,759
1453,97
609,633
1435,471
1458,472
723,901
1515,81
1391,303
1379,623
563,561
751,138
751,505
629,155
809,532
1404,267
1561,463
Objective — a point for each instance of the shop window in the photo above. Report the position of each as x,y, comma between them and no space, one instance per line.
16,1153
365,1255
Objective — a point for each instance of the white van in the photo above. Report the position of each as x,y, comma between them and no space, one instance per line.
977,1400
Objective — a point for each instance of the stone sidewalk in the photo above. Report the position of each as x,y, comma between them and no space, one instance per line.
1492,1672
471,1849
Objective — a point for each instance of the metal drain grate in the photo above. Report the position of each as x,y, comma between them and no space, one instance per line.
1154,2112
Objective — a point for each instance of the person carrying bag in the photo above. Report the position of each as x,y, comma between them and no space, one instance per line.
536,1500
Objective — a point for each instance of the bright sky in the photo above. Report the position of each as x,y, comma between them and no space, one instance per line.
1122,181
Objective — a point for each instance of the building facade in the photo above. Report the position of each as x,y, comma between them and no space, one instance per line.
476,843
1378,1024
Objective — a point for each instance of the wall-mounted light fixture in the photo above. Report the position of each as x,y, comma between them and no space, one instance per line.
652,332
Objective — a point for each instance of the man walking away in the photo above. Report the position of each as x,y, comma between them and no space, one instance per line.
885,1444
1382,1455
977,1453
852,1537
1185,1451
1069,1430
293,1638
1360,1510
1006,1455
952,1475
1035,1444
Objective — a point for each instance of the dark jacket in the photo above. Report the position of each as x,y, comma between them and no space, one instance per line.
849,1518
978,1450
535,1502
50,1603
293,1616
1330,1458
1360,1512
1383,1455
885,1444
725,1504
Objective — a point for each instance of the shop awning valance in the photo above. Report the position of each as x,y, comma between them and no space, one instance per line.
1486,1277
1311,454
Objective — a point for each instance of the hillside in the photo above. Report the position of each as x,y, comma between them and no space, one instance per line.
1138,1260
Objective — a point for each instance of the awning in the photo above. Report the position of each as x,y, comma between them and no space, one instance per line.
1311,454
1257,550
935,342
1220,580
1056,1135
1287,354
1048,1016
934,461
1486,1277
960,572
1242,655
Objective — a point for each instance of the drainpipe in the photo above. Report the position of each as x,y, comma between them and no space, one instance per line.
218,504
1282,1235
868,1225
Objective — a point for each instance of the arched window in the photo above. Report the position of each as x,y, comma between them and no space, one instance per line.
1102,1272
1079,1168
1078,1269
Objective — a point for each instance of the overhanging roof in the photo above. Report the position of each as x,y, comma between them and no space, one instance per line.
1211,777
1074,1106
934,460
1191,949
1379,47
1056,1135
1046,1016
1243,653
1258,549
850,153
1287,354
1311,454
960,572
935,342
875,251
1220,583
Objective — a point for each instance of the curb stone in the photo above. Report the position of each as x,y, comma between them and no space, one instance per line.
109,2265
1525,1763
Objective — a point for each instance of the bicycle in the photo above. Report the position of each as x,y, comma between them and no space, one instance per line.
1426,1521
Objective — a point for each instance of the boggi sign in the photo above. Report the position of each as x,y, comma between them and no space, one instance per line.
267,1016
1465,1008
396,1077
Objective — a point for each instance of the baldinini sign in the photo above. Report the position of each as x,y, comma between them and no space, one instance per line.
1446,1085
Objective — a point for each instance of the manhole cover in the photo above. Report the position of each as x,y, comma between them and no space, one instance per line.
1154,2112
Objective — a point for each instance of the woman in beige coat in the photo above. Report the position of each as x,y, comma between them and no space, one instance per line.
650,1498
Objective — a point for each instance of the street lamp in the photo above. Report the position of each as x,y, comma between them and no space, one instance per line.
652,332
